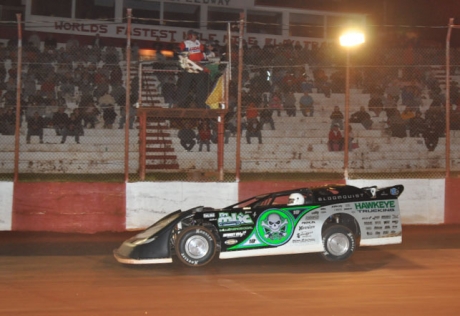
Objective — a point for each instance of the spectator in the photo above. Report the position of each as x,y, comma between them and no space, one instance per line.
337,117
396,123
335,139
375,104
109,115
72,128
393,90
251,112
90,115
406,115
195,50
417,125
204,135
187,137
289,103
266,117
35,126
59,120
431,136
306,104
169,90
362,117
253,130
8,121
276,103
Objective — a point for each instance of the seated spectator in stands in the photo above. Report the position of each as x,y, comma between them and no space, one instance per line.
29,85
230,125
33,106
47,88
393,90
187,137
252,112
306,104
253,129
79,117
362,117
406,115
204,136
289,103
431,136
108,115
375,104
35,126
72,128
396,124
67,85
276,103
90,115
335,139
101,85
417,125
59,120
337,117
168,91
7,121
388,103
266,116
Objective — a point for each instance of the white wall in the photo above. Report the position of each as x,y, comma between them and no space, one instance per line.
147,202
6,205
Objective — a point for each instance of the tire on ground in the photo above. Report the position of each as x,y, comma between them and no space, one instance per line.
339,243
195,246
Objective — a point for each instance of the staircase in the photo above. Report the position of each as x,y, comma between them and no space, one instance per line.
159,150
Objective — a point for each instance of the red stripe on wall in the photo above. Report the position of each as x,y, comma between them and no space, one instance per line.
248,189
69,207
452,202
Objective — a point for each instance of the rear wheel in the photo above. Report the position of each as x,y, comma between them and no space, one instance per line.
195,246
339,243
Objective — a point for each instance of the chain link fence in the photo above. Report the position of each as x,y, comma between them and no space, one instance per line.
73,95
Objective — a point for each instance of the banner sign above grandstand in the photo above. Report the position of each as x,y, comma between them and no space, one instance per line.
159,33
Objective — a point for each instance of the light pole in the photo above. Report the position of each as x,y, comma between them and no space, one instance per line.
349,39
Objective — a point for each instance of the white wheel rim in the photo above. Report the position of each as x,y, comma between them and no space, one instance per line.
196,247
338,244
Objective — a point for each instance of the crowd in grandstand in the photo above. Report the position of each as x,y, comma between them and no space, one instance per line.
91,76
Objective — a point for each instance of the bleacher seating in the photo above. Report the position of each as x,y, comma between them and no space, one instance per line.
299,144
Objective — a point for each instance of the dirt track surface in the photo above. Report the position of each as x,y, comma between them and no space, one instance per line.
67,274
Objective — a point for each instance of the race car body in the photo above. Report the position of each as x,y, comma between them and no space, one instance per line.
332,220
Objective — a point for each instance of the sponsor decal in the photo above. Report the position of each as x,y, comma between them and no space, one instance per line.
274,227
394,191
234,219
231,229
341,197
231,242
209,215
375,206
233,235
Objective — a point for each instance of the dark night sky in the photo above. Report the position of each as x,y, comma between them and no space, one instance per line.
429,17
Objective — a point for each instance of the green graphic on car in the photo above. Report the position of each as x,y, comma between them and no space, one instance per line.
274,227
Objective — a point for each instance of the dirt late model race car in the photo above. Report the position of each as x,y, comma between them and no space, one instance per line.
332,220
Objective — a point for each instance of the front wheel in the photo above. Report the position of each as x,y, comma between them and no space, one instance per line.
339,243
195,246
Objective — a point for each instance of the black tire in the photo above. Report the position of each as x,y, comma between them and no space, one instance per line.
339,243
195,246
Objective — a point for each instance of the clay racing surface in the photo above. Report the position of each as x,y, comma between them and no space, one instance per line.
71,274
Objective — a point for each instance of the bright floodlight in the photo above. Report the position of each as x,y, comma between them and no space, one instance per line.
351,38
